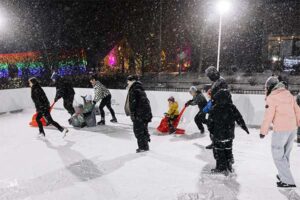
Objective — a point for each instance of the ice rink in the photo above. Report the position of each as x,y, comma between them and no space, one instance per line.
101,164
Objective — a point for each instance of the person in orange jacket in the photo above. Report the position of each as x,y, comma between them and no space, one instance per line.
172,114
283,112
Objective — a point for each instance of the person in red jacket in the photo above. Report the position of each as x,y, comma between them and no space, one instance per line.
283,112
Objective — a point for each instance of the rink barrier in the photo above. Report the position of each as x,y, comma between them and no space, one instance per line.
251,106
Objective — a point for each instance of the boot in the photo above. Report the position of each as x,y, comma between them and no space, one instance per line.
101,123
172,130
211,146
285,185
114,120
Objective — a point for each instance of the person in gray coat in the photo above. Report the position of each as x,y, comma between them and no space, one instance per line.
89,112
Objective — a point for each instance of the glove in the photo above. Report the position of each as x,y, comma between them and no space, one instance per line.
83,97
166,114
261,136
94,102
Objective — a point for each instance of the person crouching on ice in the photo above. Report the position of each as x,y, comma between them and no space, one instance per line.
77,120
137,106
42,106
172,114
89,111
283,112
199,100
221,124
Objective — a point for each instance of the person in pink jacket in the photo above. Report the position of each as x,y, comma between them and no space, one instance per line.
283,112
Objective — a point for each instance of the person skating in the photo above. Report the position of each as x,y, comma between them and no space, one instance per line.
221,124
42,106
218,83
199,100
138,107
103,94
172,114
65,91
283,112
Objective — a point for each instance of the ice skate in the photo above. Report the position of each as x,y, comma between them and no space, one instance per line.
114,120
65,131
285,185
141,150
101,123
211,146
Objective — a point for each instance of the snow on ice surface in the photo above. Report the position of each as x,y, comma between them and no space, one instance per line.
101,163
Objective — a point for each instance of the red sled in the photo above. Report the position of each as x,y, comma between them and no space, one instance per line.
164,127
33,120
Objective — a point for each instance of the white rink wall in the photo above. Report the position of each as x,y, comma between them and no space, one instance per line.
251,106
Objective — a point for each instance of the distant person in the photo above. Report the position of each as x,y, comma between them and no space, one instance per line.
221,124
65,91
172,114
200,101
283,112
103,94
42,106
138,107
218,83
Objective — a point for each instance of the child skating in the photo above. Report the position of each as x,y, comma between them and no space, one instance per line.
221,124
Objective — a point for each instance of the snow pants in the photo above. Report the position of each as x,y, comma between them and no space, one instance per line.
68,104
282,144
140,129
200,120
106,101
170,123
49,120
223,154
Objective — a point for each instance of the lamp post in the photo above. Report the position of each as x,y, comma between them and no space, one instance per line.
223,6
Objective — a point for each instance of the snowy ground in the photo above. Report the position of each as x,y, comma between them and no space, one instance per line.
101,163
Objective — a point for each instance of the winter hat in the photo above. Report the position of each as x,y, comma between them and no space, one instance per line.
271,82
212,73
34,81
171,98
193,89
55,76
132,78
89,98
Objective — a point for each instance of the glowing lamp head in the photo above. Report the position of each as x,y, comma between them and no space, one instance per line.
223,6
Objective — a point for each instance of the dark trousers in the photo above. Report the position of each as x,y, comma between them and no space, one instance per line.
140,129
171,121
106,101
49,120
68,104
223,154
200,120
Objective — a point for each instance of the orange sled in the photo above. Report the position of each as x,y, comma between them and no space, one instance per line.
33,120
164,127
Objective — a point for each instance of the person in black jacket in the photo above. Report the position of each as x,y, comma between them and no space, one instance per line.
221,124
218,84
199,100
42,106
65,91
138,107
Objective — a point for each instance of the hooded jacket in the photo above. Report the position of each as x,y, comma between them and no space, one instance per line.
39,98
63,89
100,91
218,81
282,111
222,117
138,103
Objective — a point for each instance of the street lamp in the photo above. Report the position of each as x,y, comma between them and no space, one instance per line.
223,7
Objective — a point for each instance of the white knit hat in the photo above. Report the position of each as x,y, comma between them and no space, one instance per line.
89,98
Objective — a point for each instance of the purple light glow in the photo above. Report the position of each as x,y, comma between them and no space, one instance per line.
112,58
